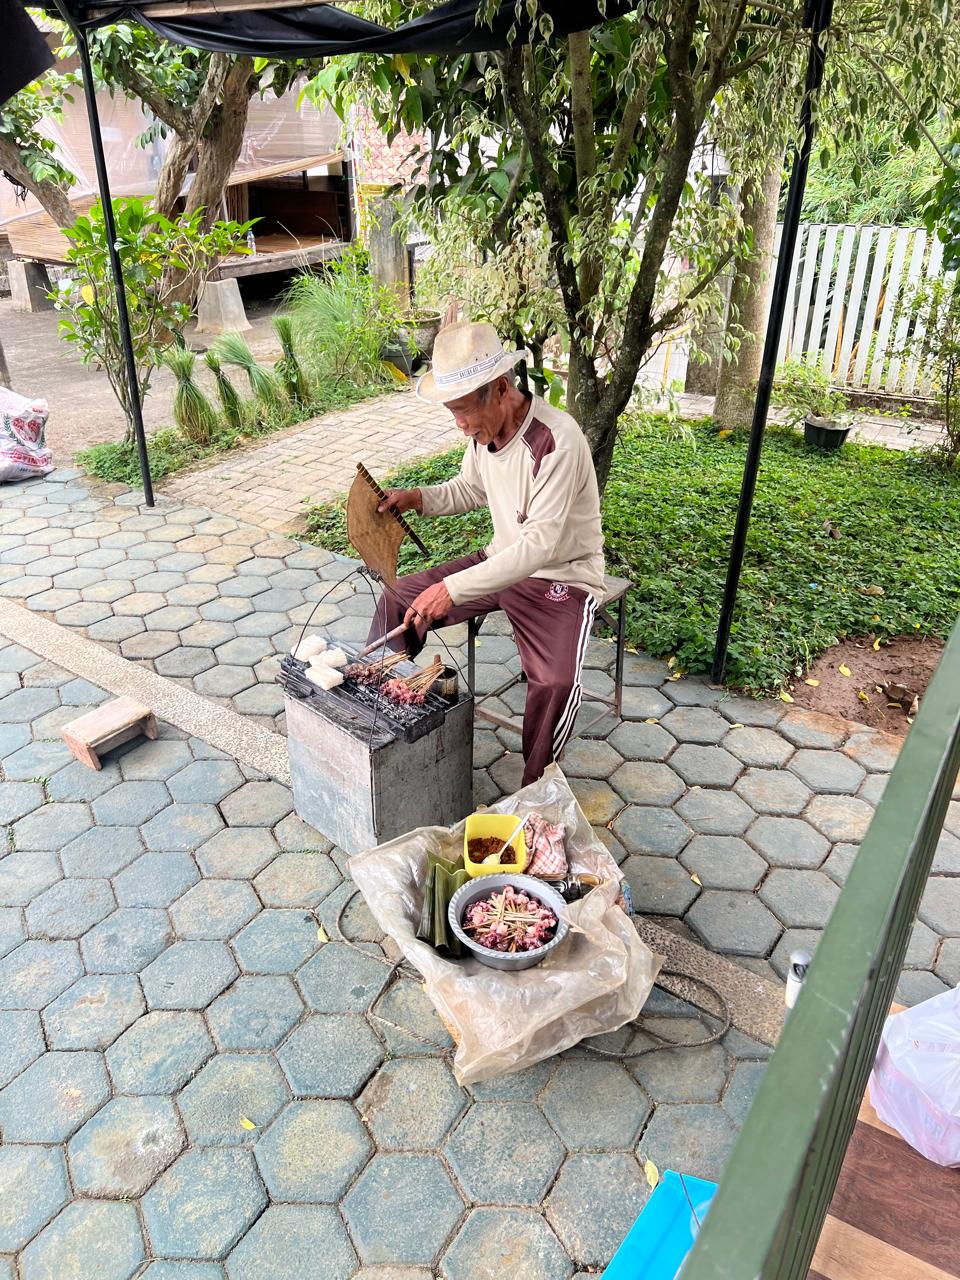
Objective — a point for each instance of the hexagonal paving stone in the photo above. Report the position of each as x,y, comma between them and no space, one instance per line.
840,817
612,1180
125,1147
341,979
126,941
775,791
651,830
313,1151
52,826
300,879
693,724
586,759
647,783
948,962
155,880
800,899
788,842
683,1074
411,1104
705,766
723,862
24,705
23,876
101,852
69,908
230,1089
643,703
813,729
256,1013
131,803
276,942
743,1084
827,771
115,630
224,682
261,700
257,804
214,909
494,1243
12,932
416,1029
491,1174
330,1056
226,608
939,907
33,1187
205,781
275,1246
164,1269
876,751
640,741
86,1229
185,662
154,760
159,1053
758,746
915,986
402,1210
149,644
39,759
715,813
21,1042
262,623
93,1012
734,922
53,1097
594,1104
182,826
659,886
36,972
172,619
204,1203
238,851
695,1138
139,604
244,651
188,975
78,782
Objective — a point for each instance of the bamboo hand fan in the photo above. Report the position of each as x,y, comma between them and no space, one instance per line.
376,535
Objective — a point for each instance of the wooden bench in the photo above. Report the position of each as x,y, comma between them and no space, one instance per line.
106,727
611,609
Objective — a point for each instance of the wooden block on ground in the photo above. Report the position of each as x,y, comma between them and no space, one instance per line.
106,727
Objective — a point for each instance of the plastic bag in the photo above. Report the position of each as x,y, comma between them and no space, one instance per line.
23,455
596,981
915,1083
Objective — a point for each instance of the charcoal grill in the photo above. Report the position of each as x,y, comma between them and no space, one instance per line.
365,769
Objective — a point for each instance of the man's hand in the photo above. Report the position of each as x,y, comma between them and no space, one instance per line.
429,605
401,500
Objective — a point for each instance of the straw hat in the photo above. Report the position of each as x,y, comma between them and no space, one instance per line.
465,357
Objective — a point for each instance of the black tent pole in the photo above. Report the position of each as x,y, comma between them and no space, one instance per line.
816,18
110,230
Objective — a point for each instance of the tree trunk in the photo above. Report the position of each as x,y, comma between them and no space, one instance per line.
175,165
707,336
220,147
51,195
748,303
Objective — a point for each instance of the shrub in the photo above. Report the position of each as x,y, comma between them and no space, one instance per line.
192,411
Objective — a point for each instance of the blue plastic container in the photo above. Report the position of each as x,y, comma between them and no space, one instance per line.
660,1239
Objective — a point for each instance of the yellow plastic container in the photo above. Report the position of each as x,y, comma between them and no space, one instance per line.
498,826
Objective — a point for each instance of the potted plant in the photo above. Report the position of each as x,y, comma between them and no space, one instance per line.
419,330
804,391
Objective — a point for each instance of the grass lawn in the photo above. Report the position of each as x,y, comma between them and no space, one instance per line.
668,516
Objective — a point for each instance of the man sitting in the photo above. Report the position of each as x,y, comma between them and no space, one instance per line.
531,465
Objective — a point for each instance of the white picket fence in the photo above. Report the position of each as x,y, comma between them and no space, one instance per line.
843,310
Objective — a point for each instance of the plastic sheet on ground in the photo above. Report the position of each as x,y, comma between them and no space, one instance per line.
596,981
23,454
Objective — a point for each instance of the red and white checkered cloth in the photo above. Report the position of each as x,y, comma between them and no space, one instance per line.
548,857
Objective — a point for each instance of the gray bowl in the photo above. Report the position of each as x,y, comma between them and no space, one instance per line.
482,887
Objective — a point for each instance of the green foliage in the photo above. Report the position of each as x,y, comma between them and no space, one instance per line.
229,400
287,368
932,309
803,388
149,246
341,322
20,117
668,516
268,389
942,211
192,411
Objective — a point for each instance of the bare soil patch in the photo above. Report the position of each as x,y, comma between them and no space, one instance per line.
902,664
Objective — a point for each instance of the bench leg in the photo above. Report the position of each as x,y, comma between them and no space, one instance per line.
472,629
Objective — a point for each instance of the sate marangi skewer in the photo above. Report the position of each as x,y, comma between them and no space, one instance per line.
407,690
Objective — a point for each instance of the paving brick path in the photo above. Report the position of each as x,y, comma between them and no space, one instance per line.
269,485
163,986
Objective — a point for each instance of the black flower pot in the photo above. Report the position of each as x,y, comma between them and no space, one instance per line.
824,433
399,356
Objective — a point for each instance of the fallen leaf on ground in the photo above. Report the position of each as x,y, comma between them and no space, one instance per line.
876,644
872,590
651,720
651,1173
864,697
722,435
738,725
247,1124
322,935
813,683
696,879
843,669
784,696
672,662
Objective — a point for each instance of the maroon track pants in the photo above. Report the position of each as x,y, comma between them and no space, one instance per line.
551,625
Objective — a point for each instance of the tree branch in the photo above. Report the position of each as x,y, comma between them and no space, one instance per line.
892,86
139,86
669,318
503,217
51,195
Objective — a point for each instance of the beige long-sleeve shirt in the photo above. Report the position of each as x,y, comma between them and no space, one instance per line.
541,489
